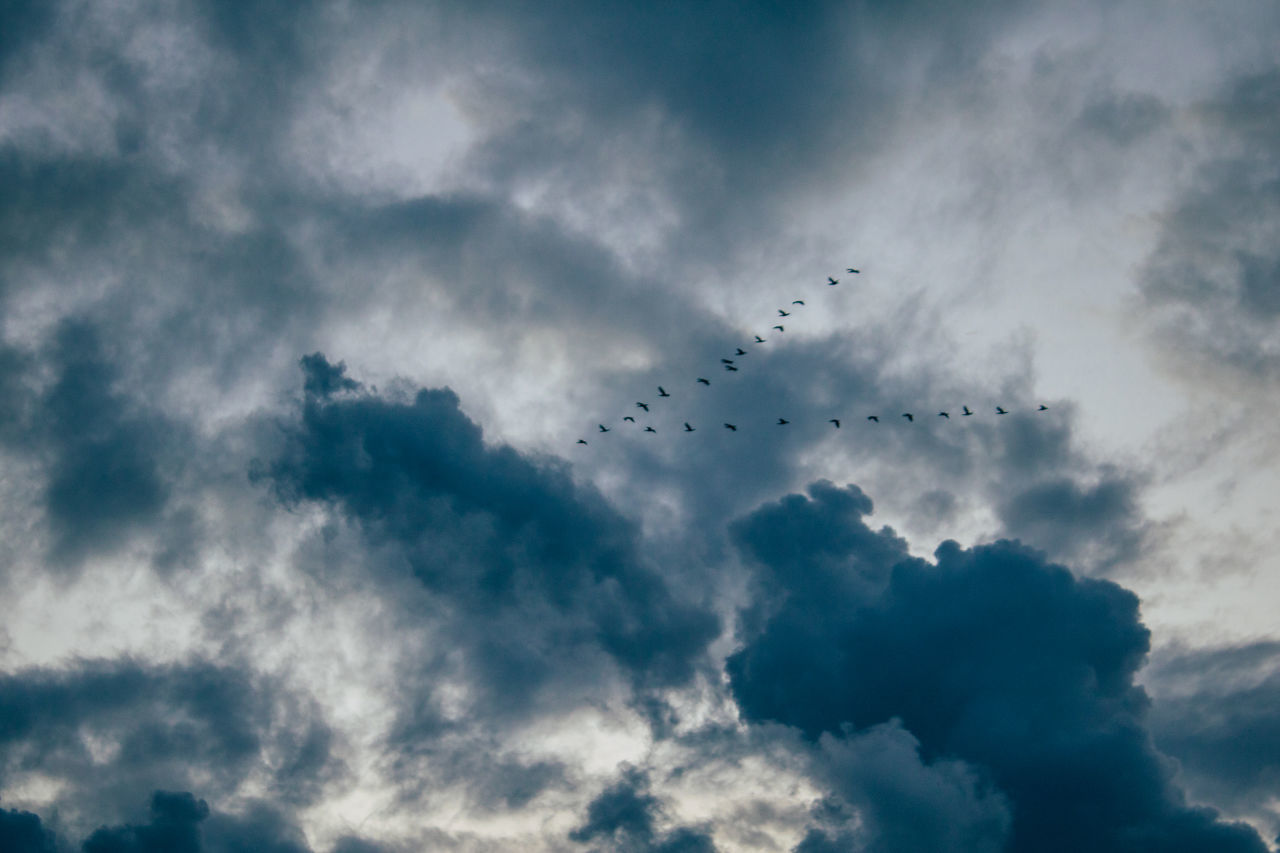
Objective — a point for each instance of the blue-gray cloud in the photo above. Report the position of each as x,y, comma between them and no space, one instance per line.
990,655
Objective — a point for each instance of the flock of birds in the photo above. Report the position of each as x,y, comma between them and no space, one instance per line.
730,366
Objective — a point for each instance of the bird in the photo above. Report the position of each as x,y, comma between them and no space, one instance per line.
731,367
603,428
687,428
909,417
740,351
780,329
783,421
798,302
704,381
644,406
946,415
582,441
1043,408
662,393
731,427
650,429
1000,411
851,270
873,418
832,282
966,412
835,421
726,361
782,313
759,339
629,418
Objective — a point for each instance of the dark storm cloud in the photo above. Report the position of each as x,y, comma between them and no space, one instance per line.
623,819
1217,711
194,725
1212,284
534,565
23,832
990,656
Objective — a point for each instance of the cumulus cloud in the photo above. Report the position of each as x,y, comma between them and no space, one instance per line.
990,656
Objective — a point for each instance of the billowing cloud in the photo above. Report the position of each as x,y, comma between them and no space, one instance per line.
990,656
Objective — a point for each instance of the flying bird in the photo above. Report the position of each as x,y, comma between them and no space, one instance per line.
852,270
644,406
704,381
783,422
582,441
759,339
662,393
946,415
726,361
1043,408
909,417
731,427
798,302
966,412
687,428
873,418
650,429
740,351
832,282
835,421
629,418
780,329
1000,411
782,313
603,428
731,367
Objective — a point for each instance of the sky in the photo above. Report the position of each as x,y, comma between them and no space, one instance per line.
306,310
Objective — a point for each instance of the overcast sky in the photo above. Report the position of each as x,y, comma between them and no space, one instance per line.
306,310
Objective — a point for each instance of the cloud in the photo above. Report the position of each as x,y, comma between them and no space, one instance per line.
1215,712
890,800
23,832
1212,285
109,731
623,817
990,656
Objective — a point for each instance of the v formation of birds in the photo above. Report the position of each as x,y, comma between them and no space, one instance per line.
730,365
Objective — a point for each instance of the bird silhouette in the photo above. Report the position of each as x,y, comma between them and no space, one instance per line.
1043,408
873,418
582,441
726,361
832,282
704,381
759,339
966,412
835,421
740,351
783,422
944,415
909,417
629,418
687,428
731,427
731,367
780,329
603,428
1000,411
852,270
650,429
798,302
782,313
662,393
644,406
